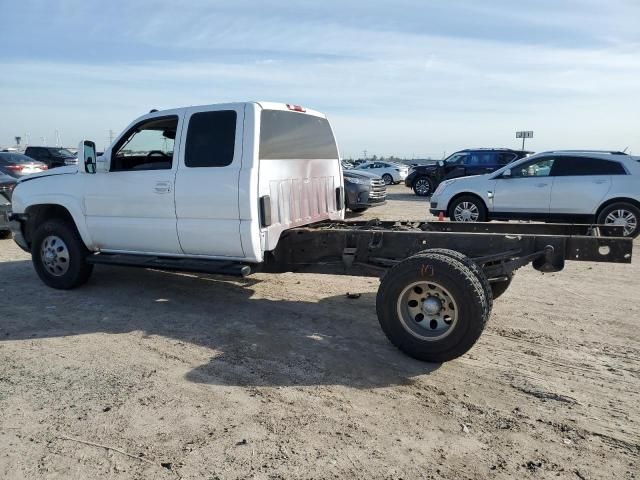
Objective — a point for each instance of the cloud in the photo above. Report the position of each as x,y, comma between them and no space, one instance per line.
388,85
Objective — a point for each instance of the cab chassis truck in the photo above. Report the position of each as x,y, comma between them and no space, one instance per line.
235,189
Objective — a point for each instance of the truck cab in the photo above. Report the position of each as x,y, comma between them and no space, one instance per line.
216,182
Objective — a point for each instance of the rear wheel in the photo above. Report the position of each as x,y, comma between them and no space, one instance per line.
467,209
423,186
624,214
59,255
432,307
388,179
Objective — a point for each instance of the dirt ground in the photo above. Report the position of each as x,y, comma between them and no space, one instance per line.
145,374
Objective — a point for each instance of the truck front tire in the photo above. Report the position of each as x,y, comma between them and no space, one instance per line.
432,307
59,255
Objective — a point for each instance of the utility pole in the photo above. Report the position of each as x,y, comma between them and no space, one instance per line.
364,152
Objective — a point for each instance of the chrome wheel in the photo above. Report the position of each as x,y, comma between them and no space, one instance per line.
427,311
388,179
466,212
54,255
422,187
624,218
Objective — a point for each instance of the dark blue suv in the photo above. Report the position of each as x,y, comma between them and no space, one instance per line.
424,179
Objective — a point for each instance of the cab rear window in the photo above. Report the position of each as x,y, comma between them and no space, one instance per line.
292,135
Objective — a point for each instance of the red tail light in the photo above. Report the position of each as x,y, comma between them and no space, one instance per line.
44,167
295,108
15,168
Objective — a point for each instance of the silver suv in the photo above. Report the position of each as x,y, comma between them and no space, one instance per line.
558,186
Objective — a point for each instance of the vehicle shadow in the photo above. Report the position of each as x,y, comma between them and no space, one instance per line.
254,341
406,196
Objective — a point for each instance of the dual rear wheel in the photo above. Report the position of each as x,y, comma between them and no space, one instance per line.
434,305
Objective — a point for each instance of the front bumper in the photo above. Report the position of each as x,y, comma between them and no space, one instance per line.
408,182
15,225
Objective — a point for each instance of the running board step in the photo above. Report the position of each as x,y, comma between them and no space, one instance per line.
220,267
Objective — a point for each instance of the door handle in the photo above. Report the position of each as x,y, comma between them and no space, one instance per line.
600,182
162,187
540,185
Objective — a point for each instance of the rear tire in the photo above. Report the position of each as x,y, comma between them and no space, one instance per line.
498,288
423,186
59,255
467,208
406,299
617,213
388,179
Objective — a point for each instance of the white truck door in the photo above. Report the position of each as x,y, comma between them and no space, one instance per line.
207,181
527,190
131,207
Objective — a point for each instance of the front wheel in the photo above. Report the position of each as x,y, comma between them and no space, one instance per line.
467,209
624,214
423,187
59,255
432,307
388,179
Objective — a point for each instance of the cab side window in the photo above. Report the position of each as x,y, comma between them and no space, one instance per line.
211,139
147,146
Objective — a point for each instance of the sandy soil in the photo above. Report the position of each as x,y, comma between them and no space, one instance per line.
282,376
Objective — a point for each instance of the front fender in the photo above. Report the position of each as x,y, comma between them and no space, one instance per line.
24,198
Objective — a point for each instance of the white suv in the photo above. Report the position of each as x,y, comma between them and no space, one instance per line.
557,186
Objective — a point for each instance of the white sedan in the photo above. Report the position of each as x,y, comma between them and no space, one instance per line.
558,186
390,172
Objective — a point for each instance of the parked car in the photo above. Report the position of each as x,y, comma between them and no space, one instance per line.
52,156
363,190
424,179
7,184
17,164
390,172
558,186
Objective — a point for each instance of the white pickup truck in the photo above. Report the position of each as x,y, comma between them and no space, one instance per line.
245,187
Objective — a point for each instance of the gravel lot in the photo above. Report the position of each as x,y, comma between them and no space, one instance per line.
282,376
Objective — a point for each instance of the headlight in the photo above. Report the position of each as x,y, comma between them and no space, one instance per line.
357,181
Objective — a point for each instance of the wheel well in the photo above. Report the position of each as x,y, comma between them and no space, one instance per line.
633,202
36,214
466,194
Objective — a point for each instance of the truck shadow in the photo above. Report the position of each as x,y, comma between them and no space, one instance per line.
254,341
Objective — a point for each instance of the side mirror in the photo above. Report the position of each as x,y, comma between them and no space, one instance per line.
87,150
441,163
506,173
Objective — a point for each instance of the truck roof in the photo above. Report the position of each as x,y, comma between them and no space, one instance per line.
262,104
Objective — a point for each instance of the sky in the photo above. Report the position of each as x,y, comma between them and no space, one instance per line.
411,78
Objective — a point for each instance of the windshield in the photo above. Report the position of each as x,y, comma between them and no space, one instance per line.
61,152
456,159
